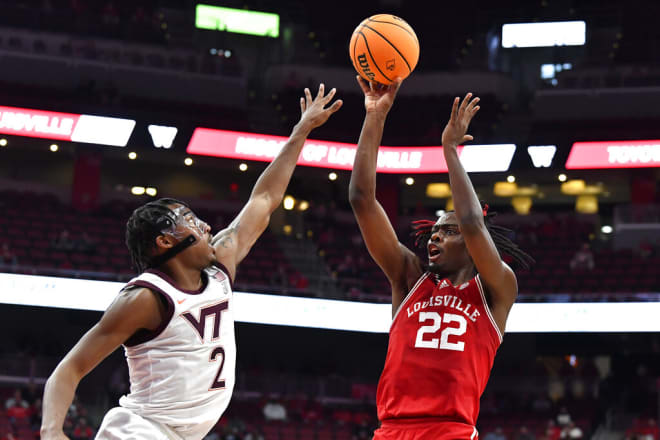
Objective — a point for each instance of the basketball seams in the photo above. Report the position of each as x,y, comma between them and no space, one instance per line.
366,44
390,43
412,34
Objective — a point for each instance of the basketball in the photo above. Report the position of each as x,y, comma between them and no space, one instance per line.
384,48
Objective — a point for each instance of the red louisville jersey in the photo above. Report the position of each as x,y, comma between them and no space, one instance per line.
443,341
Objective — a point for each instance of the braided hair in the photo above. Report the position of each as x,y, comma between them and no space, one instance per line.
499,234
144,225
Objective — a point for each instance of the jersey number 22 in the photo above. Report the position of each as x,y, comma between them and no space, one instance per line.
443,343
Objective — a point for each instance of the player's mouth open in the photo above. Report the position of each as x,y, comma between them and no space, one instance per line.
434,252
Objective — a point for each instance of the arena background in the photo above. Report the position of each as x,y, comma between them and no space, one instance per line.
581,360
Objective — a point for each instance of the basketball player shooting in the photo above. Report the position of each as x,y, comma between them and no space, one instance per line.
449,314
176,319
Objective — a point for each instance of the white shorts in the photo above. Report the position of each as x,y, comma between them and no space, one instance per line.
122,424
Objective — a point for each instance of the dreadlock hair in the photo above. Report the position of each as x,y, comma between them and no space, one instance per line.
499,234
144,225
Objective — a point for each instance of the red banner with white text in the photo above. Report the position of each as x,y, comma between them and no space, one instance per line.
615,154
90,129
336,155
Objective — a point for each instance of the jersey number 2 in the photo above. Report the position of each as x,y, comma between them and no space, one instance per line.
443,343
218,383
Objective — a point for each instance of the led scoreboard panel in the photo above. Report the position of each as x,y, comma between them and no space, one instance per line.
68,293
117,132
90,129
614,154
336,155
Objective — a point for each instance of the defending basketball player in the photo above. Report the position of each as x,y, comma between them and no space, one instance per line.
175,319
449,314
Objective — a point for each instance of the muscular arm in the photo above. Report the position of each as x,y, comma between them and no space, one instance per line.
234,242
498,278
131,311
393,258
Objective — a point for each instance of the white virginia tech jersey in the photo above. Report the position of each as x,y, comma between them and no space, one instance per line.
182,375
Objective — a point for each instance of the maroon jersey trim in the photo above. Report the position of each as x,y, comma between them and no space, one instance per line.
143,335
170,281
488,312
410,294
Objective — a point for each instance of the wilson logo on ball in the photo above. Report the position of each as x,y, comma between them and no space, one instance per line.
364,64
384,49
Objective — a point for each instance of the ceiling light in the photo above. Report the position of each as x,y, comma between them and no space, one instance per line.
289,203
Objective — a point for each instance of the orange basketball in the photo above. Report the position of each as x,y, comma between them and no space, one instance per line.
384,48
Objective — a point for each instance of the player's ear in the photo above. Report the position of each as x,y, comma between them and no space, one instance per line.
164,242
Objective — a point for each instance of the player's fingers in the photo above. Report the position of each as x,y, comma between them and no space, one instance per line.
394,87
329,96
454,109
335,106
473,103
321,91
363,84
475,110
302,105
465,103
308,97
467,138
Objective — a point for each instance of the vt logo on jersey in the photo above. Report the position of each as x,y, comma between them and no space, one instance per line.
214,310
199,325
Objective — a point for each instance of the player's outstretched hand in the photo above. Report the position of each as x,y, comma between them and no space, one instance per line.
314,112
455,133
377,97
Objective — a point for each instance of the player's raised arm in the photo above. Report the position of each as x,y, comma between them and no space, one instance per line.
379,236
233,243
497,276
132,310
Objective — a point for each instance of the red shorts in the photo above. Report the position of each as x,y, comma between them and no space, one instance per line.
419,429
